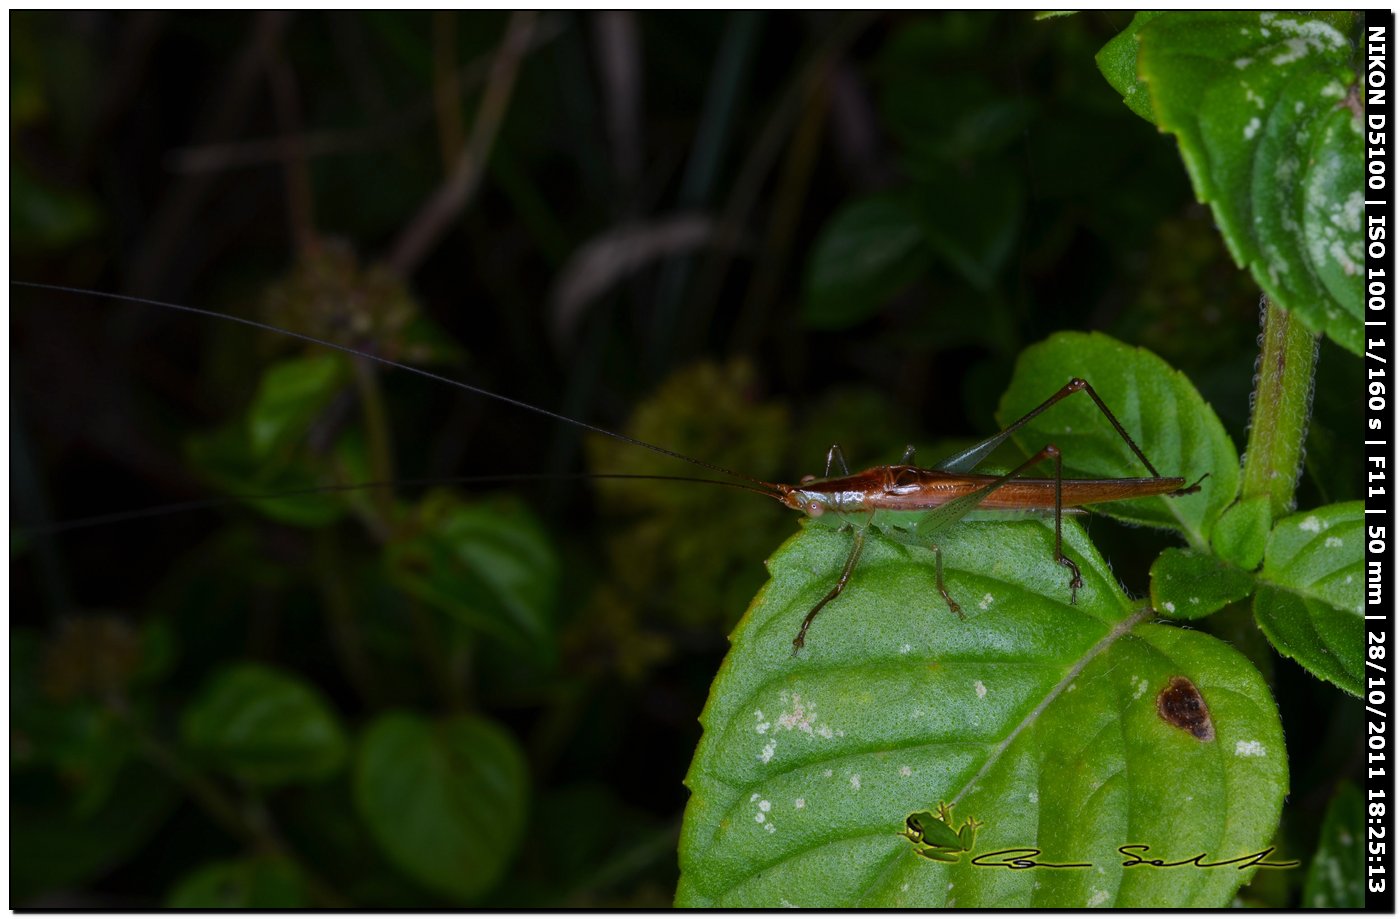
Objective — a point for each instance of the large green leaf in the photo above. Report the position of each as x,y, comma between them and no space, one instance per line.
1266,112
1038,718
265,726
1310,601
446,802
1163,413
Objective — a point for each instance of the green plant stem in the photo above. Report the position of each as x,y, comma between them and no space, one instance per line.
249,823
339,608
380,456
1282,405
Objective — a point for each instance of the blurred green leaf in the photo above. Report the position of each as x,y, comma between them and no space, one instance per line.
289,396
445,801
53,848
940,110
264,726
868,251
1189,585
972,219
1266,112
226,457
266,454
488,564
46,216
1310,600
1335,877
55,723
1037,717
249,883
1158,406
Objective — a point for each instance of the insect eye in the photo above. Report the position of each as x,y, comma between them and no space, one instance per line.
815,508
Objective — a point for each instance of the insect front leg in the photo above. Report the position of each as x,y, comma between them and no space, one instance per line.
857,543
834,456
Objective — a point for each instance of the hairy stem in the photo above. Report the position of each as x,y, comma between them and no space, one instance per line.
1280,407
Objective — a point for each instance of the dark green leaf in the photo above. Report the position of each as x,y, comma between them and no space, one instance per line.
1189,585
1335,879
972,219
941,111
1036,717
1266,111
1310,600
867,253
290,395
1160,409
488,564
1241,533
227,458
53,847
56,723
446,802
264,726
45,216
250,883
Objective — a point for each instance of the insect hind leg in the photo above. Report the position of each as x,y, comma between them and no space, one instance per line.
942,588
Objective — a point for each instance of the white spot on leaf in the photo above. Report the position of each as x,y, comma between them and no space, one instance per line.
1249,748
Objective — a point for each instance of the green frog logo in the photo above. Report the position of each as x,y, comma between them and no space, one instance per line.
934,836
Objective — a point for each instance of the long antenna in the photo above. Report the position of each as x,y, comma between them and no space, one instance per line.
408,368
199,504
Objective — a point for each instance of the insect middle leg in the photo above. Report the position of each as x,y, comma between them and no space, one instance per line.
942,517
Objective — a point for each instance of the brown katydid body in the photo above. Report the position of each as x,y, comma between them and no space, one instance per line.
912,488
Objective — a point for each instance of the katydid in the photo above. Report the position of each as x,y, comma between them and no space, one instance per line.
908,503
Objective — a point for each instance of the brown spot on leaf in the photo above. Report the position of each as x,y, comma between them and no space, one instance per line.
1181,705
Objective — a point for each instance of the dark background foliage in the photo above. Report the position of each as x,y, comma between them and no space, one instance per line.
768,231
